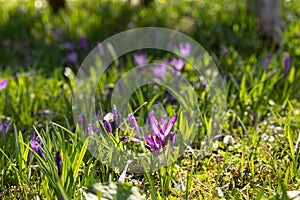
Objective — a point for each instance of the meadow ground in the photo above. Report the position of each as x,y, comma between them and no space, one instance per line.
255,155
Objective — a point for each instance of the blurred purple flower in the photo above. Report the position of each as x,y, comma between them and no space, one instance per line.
58,161
72,57
140,59
83,43
203,84
57,33
98,115
282,26
177,63
185,49
4,128
266,62
225,78
100,48
160,70
225,51
160,133
37,145
68,46
3,84
287,64
46,112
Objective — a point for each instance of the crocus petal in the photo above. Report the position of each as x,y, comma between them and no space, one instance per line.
266,62
203,84
6,127
155,126
107,126
72,57
225,51
36,144
58,161
140,59
101,49
153,133
135,140
83,43
159,142
149,141
3,84
68,46
33,145
161,70
287,64
163,121
98,116
177,63
185,49
135,125
170,125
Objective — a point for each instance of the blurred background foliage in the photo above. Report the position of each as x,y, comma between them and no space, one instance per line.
32,36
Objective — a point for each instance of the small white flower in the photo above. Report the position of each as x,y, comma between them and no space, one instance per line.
228,139
265,137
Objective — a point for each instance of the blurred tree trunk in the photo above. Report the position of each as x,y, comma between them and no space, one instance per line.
269,19
56,5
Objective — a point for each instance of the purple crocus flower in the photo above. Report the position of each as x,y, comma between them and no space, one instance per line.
46,112
68,46
57,33
116,117
111,121
203,84
100,48
160,133
224,51
185,49
135,125
6,127
36,144
177,63
72,57
58,161
140,59
83,43
160,70
266,62
3,84
287,64
107,126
